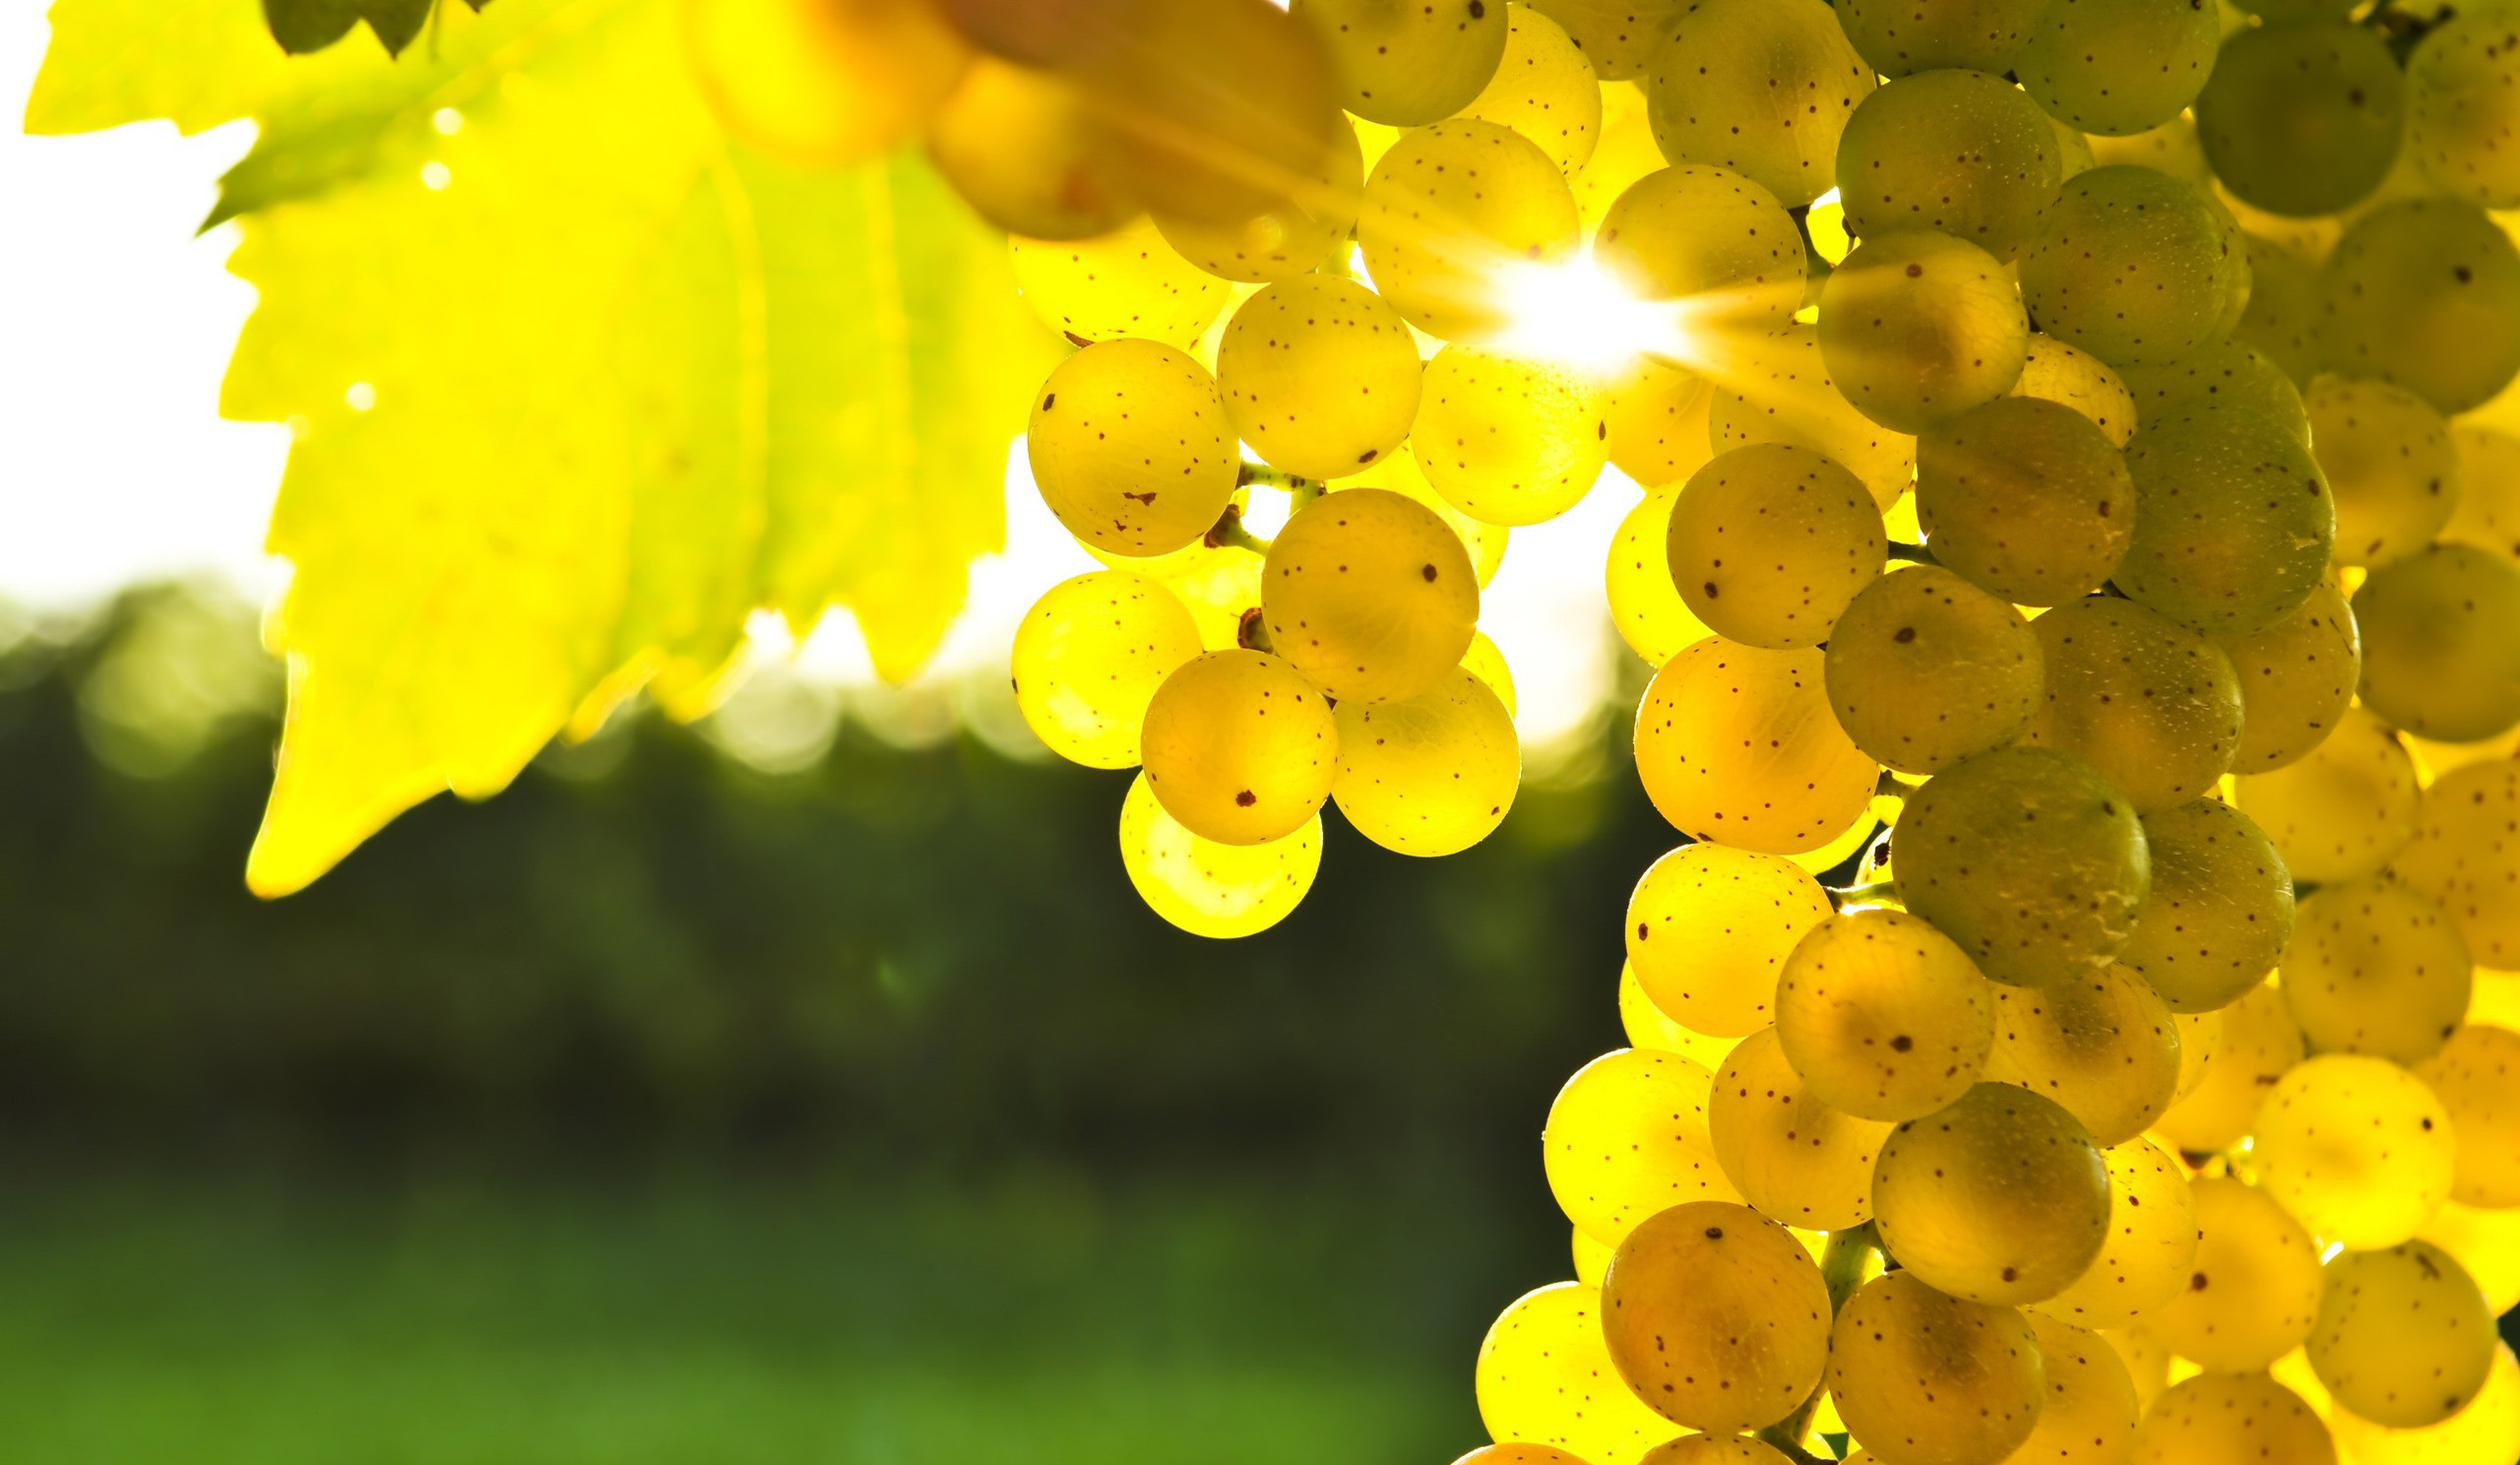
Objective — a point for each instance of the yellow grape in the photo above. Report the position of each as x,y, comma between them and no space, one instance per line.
2488,512
1130,447
2488,1244
2130,264
2114,67
2376,968
2403,1337
1025,150
1592,1258
2477,1077
2466,854
1715,250
1545,1376
1292,234
1960,152
2089,1418
2424,292
1205,888
2489,1428
1797,1160
2219,376
2151,1249
2027,499
2070,376
1738,745
2439,657
1768,544
2356,1147
2460,110
1618,37
2253,1289
1400,475
2390,463
1650,1027
1518,1453
1918,328
1717,1317
2220,909
1450,212
1714,1449
1776,389
2001,1198
2343,810
1088,659
1626,152
1507,440
1484,662
1543,88
2217,1419
1369,595
1404,63
823,82
1433,773
1709,927
1883,1016
2201,1038
1658,424
1627,1138
2217,547
1240,747
1319,376
1128,283
1645,605
2280,319
1760,86
1901,38
2259,1044
2147,1360
2295,678
1922,1378
2151,704
2102,1046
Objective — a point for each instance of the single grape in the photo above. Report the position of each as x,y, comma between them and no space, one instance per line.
1240,747
2259,1044
2214,1418
1400,474
2462,103
1025,150
2151,1249
2296,677
1649,1027
2477,1077
1543,89
2001,1198
1369,595
1645,605
1709,929
2281,318
1958,151
1292,235
1925,669
820,84
1715,250
2465,853
2342,811
1205,888
1760,86
2233,523
1545,1376
1768,544
1901,38
1406,63
2252,1290
2089,1418
2152,705
1716,1316
2301,119
2389,460
2424,292
1484,662
2220,909
1617,36
1319,376
1883,1016
1738,745
1797,1160
1449,210
2073,377
2221,375
1215,583
1918,328
1714,1450
1431,774
2489,1428
1627,1138
2116,67
2130,264
2026,498
2376,968
2103,1047
2403,1337
1087,661
1129,282
1131,447
1658,424
2442,643
2489,511
2356,1147
1510,440
1922,1378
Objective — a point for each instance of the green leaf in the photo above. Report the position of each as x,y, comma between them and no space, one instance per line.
304,25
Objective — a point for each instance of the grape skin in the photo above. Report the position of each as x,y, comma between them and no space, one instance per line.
2233,523
1126,284
1901,38
2463,100
1794,1158
1924,669
1627,1138
1958,151
2304,119
2342,811
2252,1290
1617,36
1760,86
2465,852
2296,677
1507,440
2153,706
1207,888
1431,774
2356,1147
2001,1198
1543,88
2489,511
1768,544
1240,747
1369,595
1024,148
1738,745
1923,1378
1659,436
2260,1044
2376,968
2221,375
1446,208
2116,67
1776,389
2221,911
1717,1317
1087,661
1883,1016
2403,1337
1291,236
2027,499
2151,1249
1709,929
1406,64
2489,1428
2070,376
2131,264
1645,605
2214,1418
1545,1376
2425,293
1713,1449
1917,327
2103,1047
2389,460
2477,1077
2439,655
1717,244
2090,1413
1319,376
1131,448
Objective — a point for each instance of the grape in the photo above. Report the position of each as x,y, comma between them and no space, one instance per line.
2301,119
1240,747
2295,11
2233,523
2281,318
1290,236
2489,511
1715,244
1883,1016
1901,38
1215,583
1717,1317
1129,282
2466,854
2219,377
1025,150
1484,662
2424,292
2295,678
2477,1077
2073,377
2001,1198
1319,376
2130,264
1508,440
1592,1258
1545,90
1658,424
1485,543
1518,1453
1205,888
1736,744
2439,655
1617,36
1917,327
1448,210
2152,705
2214,1419
1768,544
1925,669
1545,1377
2026,498
2029,859
1648,1027
2089,1418
821,83
2342,811
2489,1428
1627,1138
2151,1249
1088,659
1954,151
2403,1337
2260,1044
1760,86
2200,1036
2220,910
1795,1159
2376,968
1406,63
2462,101
2116,67
1709,929
1776,389
1645,604
1131,448
1369,595
1714,1450
1625,154
2484,1243
2389,460
1431,774
2356,1147
1922,1378
2253,1289
2103,1047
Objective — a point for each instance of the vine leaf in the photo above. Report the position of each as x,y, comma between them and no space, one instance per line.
305,26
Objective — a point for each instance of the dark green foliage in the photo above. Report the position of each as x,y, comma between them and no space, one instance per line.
305,26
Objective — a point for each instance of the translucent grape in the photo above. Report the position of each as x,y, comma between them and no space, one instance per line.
2424,292
822,84
2233,523
2462,104
2259,1044
2152,705
1448,210
1768,544
2214,1418
2201,1038
2026,498
2489,1428
2442,643
1205,888
1922,1378
1958,151
1406,63
2220,910
1918,328
1025,150
1484,662
1883,1016
1617,36
1925,669
1709,929
1625,154
1126,283
1518,1453
1088,658
1776,389
1545,90
1711,240
1215,583
2484,1243
2146,1362
2389,460
2403,1337
1545,1376
1131,448
1797,1160
1431,774
2089,1418
1627,1138
2130,264
1649,1027
1290,236
2252,1292
1901,38
2001,1198
2103,1047
2301,119
1714,1450
2295,678
1319,376
2376,968
2281,318
2151,1249
1760,86
2217,377
1717,1317
2344,809
1658,424
1592,1258
2114,67
2356,1147
2477,1077
2294,12
1510,440
1645,605
1400,474
1738,745
2489,511
2466,854
2073,377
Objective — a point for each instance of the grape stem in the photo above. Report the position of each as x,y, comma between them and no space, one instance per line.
1229,532
1912,553
1263,476
1878,890
1842,1264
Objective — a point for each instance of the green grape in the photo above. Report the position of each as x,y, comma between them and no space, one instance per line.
1449,210
2376,968
1901,38
2089,1418
1717,1317
2489,1428
1404,63
2424,292
1128,283
1924,669
1736,746
2028,858
2295,11
2356,1147
2389,460
2477,1077
1714,1450
1240,747
1131,447
2214,1419
1918,328
1509,440
1776,389
1922,1378
1369,595
1545,1376
2343,810
1658,424
2233,523
2220,910
2250,1293
2130,264
1485,543
1760,86
1797,1160
2296,677
2152,705
1645,604
1025,150
1709,927
1617,36
2217,377
2102,1047
2151,1249
2073,377
2201,1038
2259,1044
2403,1337
1883,1016
2301,119
1484,662
1649,1027
1954,151
1625,154
2465,853
1627,1138
1545,90
1319,376
2074,151
2442,643
1088,659
1718,248
1205,888
2462,101
1431,774
1290,236
2026,498
2234,279
2488,512
2281,318
1768,544
2001,1198
2114,67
